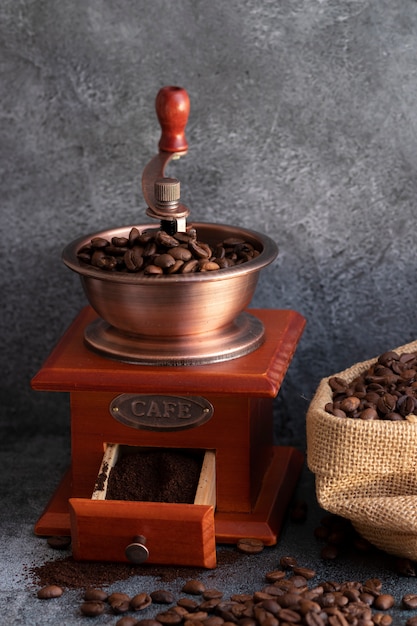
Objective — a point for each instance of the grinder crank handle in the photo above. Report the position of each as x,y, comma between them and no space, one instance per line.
172,106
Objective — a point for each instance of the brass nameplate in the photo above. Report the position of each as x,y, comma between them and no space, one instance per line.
157,412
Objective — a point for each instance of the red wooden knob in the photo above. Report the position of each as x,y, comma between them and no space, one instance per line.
172,108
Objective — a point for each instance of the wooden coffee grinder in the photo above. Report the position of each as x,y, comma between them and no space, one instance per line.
172,361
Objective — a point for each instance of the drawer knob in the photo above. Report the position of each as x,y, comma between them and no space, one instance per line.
136,552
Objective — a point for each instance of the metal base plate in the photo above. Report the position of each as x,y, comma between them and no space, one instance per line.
242,337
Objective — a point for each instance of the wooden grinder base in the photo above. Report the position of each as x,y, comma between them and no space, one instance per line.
254,480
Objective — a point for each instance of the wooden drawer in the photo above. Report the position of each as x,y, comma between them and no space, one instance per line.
175,533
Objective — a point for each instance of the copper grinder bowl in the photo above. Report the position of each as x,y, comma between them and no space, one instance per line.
186,309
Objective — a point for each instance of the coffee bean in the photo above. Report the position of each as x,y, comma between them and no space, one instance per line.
120,606
169,617
163,239
250,545
153,270
209,605
369,414
127,620
288,562
314,619
409,601
350,404
92,608
133,260
140,601
196,616
99,242
59,543
304,571
117,597
180,253
275,575
194,587
384,601
208,266
270,605
95,594
189,267
182,610
50,591
188,603
241,597
381,619
368,598
119,602
260,596
162,596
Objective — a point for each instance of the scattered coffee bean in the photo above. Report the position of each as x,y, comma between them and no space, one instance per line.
59,543
119,602
275,575
92,608
50,591
306,572
117,596
127,620
140,601
187,603
197,616
169,617
162,596
120,606
194,587
288,562
250,546
95,594
373,584
381,619
384,601
409,601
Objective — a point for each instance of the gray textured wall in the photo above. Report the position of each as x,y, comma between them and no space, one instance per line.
302,124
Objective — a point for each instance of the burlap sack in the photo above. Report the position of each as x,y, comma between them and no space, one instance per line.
366,471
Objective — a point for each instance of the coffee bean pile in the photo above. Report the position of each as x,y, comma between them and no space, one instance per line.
289,596
158,253
386,391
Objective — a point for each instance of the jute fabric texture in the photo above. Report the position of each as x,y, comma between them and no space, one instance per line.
366,471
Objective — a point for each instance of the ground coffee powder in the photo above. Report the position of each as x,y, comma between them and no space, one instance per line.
72,574
155,476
